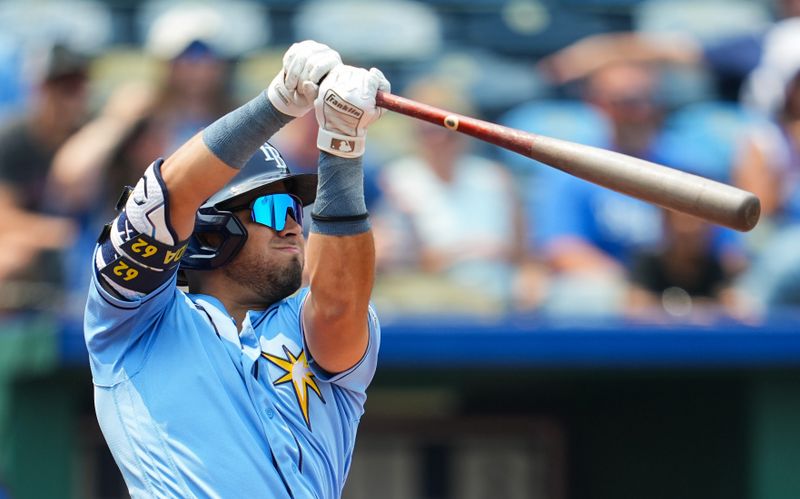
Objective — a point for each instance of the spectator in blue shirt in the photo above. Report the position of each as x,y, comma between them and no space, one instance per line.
730,59
770,167
587,233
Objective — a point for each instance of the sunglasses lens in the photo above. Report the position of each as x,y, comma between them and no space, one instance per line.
271,210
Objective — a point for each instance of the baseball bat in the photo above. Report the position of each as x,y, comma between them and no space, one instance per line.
658,184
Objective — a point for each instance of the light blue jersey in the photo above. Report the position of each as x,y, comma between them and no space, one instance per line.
192,407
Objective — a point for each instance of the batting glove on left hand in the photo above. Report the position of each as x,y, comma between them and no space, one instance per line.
295,87
345,108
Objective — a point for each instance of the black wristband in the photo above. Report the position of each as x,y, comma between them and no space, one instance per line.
349,218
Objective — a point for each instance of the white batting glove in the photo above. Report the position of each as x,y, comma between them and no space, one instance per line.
295,87
345,108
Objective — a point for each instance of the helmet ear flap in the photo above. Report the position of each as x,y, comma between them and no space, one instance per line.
217,238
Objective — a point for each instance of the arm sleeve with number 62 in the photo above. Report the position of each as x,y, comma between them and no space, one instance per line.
139,251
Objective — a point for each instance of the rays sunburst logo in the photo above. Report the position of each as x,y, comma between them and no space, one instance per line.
297,372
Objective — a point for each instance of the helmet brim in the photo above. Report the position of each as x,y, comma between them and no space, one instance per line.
302,185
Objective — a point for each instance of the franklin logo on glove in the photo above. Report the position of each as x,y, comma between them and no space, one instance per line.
332,99
346,107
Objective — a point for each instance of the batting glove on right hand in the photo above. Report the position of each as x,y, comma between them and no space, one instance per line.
295,87
345,108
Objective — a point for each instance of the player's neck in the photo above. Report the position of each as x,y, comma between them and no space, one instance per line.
235,297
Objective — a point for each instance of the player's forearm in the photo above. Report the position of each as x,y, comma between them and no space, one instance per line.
341,263
209,160
341,251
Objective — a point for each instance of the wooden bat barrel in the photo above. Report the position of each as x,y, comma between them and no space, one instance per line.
667,187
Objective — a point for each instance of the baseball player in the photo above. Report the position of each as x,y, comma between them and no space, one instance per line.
247,386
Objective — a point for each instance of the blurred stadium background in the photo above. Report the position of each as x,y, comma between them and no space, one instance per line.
540,339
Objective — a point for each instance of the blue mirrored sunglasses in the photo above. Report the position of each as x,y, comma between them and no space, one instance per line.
271,210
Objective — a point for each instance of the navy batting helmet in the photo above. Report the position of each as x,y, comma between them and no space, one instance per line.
264,173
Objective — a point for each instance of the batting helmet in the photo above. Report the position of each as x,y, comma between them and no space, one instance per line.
264,173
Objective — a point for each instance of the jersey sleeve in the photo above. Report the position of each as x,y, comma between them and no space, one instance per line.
133,279
117,330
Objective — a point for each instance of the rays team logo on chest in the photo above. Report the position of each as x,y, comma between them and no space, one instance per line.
297,372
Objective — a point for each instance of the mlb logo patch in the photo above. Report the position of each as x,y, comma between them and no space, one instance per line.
342,145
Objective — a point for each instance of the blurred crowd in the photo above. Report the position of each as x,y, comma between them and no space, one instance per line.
460,227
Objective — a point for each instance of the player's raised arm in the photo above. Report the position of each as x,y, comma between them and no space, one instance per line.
341,252
144,245
205,163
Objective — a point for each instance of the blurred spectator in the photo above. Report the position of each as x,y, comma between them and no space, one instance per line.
12,89
449,213
628,95
766,86
731,59
196,89
293,142
29,267
92,166
100,156
683,275
770,167
111,150
586,233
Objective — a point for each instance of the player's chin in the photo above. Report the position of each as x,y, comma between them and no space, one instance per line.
296,257
293,265
292,277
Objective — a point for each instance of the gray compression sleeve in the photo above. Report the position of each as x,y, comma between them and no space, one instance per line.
235,137
340,209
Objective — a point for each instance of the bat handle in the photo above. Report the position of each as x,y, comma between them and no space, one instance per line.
409,107
383,99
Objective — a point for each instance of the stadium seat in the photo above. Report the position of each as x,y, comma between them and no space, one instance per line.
410,32
84,25
233,27
703,19
476,71
532,29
